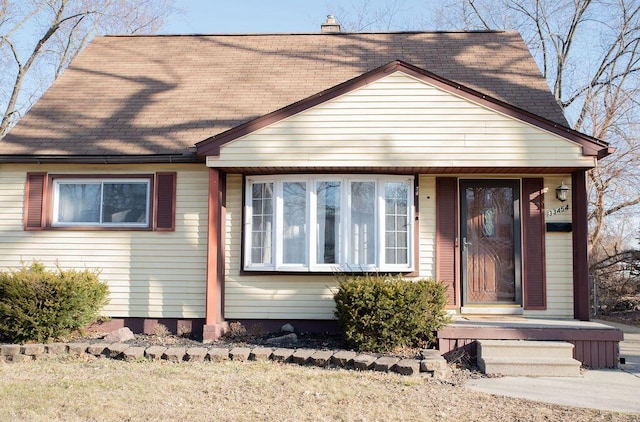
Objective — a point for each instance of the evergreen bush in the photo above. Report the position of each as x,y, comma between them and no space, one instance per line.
37,304
383,312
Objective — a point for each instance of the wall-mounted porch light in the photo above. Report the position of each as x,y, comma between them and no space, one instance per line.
561,192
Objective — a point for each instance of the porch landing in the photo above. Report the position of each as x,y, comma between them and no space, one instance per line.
596,345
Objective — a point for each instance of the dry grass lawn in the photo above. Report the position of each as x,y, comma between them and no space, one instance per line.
64,389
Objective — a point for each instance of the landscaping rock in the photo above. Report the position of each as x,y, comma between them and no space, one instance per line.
427,365
286,339
115,350
120,335
408,367
282,355
431,354
10,350
287,328
77,349
155,352
441,374
260,354
363,362
196,354
301,356
385,363
56,348
218,354
97,349
240,353
343,358
174,354
133,353
32,349
21,358
321,358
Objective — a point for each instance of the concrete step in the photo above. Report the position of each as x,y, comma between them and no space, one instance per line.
525,348
527,358
532,367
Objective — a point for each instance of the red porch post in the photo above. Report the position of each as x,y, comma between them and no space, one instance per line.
215,324
581,306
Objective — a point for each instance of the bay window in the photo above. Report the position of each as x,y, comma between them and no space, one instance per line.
328,223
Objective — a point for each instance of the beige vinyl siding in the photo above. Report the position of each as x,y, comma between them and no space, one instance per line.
399,121
150,274
559,277
282,296
559,255
427,221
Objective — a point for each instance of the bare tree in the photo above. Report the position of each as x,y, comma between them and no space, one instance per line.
39,38
366,15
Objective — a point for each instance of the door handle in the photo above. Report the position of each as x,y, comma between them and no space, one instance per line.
465,243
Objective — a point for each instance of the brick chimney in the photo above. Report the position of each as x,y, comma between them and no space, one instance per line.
330,26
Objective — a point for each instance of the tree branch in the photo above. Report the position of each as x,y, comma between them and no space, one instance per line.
478,15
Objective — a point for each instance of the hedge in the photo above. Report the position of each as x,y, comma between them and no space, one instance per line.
383,312
40,305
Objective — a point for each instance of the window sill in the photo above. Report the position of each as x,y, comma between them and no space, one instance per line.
99,228
320,273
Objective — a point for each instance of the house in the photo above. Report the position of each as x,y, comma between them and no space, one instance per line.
214,178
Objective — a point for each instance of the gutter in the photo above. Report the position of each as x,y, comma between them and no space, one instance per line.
101,159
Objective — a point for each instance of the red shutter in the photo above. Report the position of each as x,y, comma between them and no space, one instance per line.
535,294
446,232
34,201
165,202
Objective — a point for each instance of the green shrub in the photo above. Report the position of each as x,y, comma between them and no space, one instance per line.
39,305
380,313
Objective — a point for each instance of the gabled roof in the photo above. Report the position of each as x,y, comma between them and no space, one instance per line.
591,146
154,97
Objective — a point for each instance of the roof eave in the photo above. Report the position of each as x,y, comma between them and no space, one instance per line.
605,152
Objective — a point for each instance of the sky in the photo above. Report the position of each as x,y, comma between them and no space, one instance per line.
273,16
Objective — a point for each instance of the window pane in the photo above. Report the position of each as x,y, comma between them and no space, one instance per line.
390,221
328,216
262,223
294,203
362,239
78,203
396,197
389,254
124,202
403,256
390,239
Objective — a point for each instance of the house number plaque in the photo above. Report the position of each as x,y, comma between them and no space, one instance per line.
559,210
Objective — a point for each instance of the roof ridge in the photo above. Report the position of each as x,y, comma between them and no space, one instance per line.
496,31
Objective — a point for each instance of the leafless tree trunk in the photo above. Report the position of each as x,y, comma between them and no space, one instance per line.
28,64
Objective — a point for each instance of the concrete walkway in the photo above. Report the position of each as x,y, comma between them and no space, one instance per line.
605,389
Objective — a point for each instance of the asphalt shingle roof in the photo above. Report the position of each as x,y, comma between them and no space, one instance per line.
129,95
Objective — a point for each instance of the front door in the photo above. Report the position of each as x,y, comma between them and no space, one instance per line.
490,242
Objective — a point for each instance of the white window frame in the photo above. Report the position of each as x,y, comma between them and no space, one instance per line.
100,180
343,258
